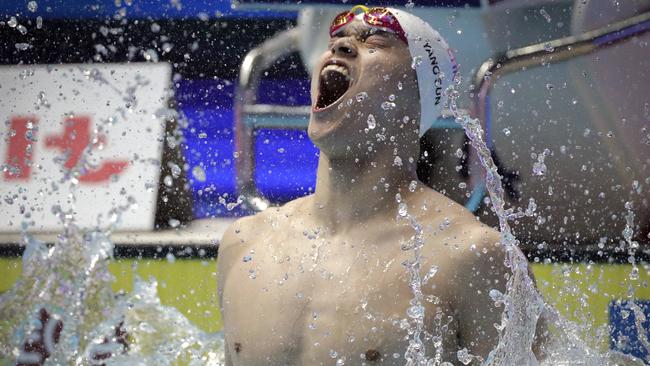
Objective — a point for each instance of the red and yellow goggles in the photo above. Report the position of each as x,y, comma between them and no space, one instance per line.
377,17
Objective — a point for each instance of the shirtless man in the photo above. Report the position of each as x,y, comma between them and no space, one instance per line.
321,280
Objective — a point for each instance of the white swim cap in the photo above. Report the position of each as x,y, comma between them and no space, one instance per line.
434,62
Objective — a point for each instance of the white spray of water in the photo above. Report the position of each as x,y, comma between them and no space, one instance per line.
523,304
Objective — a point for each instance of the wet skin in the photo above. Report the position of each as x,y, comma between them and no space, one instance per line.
321,278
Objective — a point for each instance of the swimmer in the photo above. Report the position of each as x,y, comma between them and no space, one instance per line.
320,280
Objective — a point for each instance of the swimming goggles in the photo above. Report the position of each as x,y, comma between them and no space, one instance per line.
378,17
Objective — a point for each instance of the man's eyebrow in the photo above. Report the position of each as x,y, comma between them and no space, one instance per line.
376,31
363,32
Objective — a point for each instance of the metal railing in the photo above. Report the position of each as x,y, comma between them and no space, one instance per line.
544,54
248,113
548,53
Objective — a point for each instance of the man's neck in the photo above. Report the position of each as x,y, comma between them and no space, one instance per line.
350,192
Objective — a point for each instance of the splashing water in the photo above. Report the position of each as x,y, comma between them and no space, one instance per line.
539,168
416,351
523,304
62,310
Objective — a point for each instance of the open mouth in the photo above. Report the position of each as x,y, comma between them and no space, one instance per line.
333,82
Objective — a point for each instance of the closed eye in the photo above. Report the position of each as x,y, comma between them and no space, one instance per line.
375,37
378,40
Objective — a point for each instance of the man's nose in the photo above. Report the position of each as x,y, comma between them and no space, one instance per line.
344,48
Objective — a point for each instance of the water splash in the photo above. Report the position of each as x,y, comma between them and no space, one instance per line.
416,351
539,168
62,310
372,123
523,304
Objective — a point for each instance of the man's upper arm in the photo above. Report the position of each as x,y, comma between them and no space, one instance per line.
484,270
227,245
481,270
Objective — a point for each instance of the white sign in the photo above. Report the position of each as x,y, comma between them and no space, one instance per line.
81,137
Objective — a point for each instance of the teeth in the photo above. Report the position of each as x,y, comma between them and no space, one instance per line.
337,68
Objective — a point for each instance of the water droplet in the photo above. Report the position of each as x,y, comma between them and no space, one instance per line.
232,205
12,22
549,86
198,173
548,47
32,6
539,168
360,97
175,169
397,161
388,105
150,55
402,209
545,15
22,46
409,4
41,100
506,131
413,185
39,22
170,258
399,85
417,60
487,76
371,122
247,258
21,28
391,97
464,357
168,181
432,272
416,311
173,223
333,353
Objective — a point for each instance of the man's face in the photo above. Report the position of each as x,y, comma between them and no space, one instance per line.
362,89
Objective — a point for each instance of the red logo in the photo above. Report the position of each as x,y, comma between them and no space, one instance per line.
72,143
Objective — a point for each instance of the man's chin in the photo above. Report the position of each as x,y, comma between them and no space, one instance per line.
325,133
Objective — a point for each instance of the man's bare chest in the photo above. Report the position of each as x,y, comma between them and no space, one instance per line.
302,299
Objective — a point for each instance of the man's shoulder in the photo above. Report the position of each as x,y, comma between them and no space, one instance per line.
249,227
451,225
